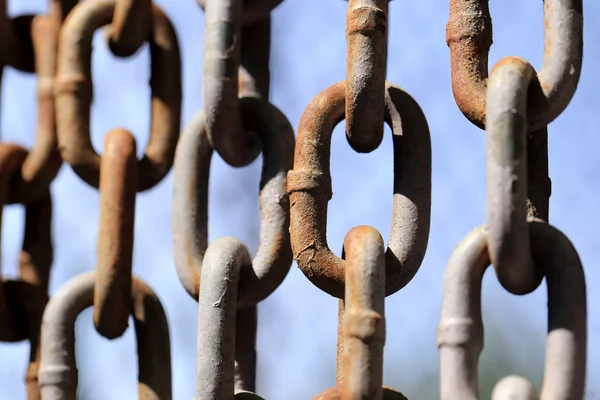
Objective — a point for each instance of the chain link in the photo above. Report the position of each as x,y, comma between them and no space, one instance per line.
513,103
523,248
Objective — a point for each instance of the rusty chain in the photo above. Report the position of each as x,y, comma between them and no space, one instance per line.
513,103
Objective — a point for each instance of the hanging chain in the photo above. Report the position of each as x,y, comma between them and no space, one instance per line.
237,122
365,100
513,103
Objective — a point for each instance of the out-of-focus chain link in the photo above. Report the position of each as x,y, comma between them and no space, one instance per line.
514,105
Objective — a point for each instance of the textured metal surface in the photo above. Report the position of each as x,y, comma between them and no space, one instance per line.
74,94
58,369
366,35
469,36
309,185
190,203
252,10
131,26
22,301
506,126
460,331
118,181
364,315
224,260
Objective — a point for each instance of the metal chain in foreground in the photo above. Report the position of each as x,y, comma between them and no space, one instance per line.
513,103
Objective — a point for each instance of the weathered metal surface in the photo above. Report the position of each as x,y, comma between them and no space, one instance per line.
221,62
364,315
217,305
252,10
469,36
190,202
460,331
74,94
118,183
58,369
131,26
366,36
309,185
506,126
43,160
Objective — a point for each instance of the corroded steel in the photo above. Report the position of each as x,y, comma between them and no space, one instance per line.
118,181
43,160
74,94
131,26
506,126
366,34
252,10
217,304
364,315
469,36
58,369
309,185
190,202
460,331
22,301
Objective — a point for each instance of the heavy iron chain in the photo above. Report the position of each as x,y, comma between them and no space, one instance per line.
514,104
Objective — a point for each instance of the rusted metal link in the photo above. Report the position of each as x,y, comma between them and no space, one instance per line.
58,370
366,36
469,36
339,359
221,62
112,292
252,10
335,393
190,202
74,94
131,26
43,160
22,301
254,76
309,185
506,126
364,314
460,331
217,306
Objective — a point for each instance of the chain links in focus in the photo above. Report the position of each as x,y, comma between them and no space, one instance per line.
512,102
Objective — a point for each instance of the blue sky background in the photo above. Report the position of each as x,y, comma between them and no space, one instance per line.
297,324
